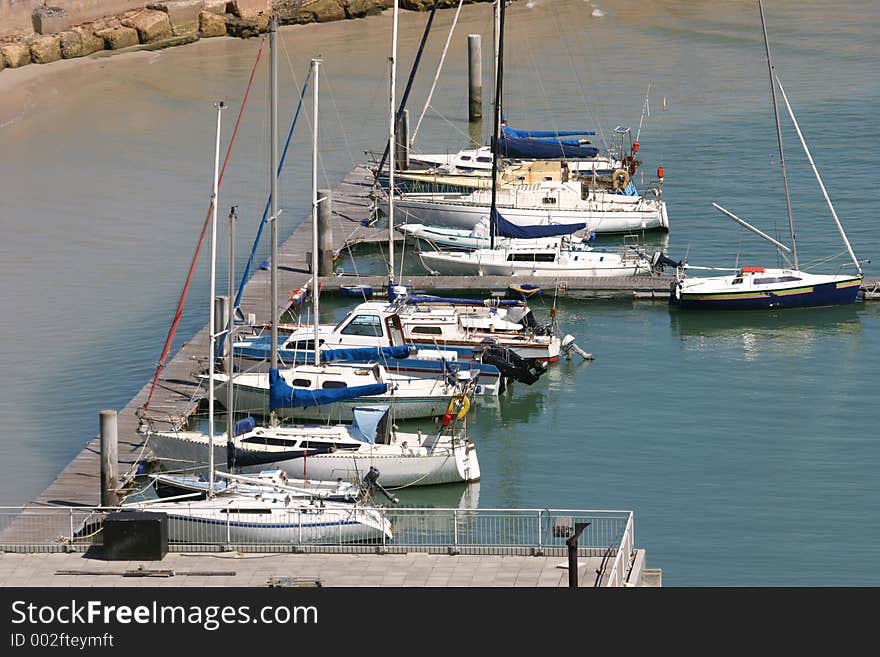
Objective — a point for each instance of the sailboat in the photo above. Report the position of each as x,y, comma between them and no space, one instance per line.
758,287
280,515
531,257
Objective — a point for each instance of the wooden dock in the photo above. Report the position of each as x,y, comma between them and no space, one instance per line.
178,392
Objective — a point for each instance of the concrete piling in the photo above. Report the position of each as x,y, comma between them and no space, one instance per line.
475,78
325,233
109,458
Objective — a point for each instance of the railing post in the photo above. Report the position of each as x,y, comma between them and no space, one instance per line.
540,538
299,518
71,525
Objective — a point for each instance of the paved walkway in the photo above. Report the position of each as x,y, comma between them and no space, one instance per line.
411,569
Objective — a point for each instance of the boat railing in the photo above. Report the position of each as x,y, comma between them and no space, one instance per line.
445,530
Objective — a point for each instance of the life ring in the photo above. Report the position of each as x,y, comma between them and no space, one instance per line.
463,404
620,179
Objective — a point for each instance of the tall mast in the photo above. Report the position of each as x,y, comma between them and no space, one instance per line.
273,172
499,74
315,64
779,139
230,411
212,331
392,130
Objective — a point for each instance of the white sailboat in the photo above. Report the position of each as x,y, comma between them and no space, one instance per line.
262,517
756,287
524,254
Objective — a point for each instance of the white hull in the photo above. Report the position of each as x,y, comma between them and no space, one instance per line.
242,520
494,264
599,218
413,465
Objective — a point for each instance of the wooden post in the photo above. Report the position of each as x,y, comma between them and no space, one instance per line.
325,233
401,140
109,458
475,78
221,315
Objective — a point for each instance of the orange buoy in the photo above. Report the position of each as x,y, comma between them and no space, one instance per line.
660,172
635,147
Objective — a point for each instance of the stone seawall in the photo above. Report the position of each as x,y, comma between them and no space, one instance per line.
75,28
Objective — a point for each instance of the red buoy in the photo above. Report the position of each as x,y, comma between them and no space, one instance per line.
635,147
660,172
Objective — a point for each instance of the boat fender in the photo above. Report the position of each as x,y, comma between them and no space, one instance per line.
620,179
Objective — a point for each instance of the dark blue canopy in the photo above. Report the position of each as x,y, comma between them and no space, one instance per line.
366,353
536,149
504,228
281,395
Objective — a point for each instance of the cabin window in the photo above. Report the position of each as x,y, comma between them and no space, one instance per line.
318,445
484,159
779,279
466,158
548,200
427,330
302,345
531,257
332,385
369,325
289,443
737,281
251,511
301,383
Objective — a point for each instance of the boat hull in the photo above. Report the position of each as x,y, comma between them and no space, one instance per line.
838,291
649,215
318,524
465,264
414,466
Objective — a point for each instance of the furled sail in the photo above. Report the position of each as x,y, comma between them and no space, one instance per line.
504,228
282,395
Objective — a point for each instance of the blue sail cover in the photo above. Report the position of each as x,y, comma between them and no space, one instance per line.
554,135
504,228
365,353
282,395
537,149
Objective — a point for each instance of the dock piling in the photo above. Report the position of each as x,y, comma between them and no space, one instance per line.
109,458
475,78
401,141
325,233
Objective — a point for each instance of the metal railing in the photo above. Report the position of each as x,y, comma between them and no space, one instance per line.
501,531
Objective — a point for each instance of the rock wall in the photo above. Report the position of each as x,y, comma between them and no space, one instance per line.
64,29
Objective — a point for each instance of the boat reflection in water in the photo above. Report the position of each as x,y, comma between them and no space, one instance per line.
793,331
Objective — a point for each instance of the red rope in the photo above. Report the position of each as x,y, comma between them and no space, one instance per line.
179,312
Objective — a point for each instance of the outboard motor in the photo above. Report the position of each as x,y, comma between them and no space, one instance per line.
371,482
659,260
513,366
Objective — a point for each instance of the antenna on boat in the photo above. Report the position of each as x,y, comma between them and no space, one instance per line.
392,130
315,64
779,138
818,177
496,132
212,331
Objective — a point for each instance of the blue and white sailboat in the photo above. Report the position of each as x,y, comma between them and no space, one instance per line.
756,287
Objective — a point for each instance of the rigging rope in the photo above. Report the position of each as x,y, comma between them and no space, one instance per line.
166,349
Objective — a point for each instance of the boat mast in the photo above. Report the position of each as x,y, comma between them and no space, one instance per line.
230,413
392,130
819,178
496,132
315,64
273,172
779,138
212,331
